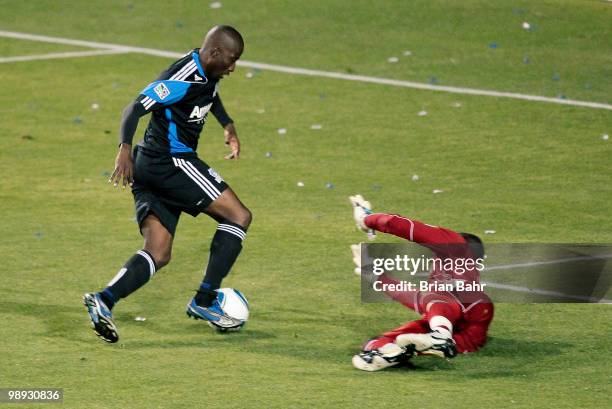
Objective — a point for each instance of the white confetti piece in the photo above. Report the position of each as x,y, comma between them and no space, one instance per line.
268,154
249,74
261,111
316,127
282,131
216,5
300,184
392,59
422,113
436,191
489,231
140,319
526,25
95,106
605,137
415,178
457,104
407,53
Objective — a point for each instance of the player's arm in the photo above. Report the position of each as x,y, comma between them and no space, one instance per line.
123,172
156,95
229,130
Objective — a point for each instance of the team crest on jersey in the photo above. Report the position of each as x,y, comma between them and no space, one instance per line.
161,90
215,175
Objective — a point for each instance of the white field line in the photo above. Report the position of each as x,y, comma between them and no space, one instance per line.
51,56
538,291
540,263
315,73
546,292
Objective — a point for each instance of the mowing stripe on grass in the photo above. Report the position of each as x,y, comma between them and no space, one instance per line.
72,54
315,73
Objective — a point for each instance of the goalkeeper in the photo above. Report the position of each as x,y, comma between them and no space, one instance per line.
451,322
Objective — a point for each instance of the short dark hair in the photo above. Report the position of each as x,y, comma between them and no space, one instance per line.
475,244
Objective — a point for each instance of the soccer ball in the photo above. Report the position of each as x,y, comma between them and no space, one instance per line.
234,304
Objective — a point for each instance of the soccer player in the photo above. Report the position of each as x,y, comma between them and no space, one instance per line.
167,178
451,321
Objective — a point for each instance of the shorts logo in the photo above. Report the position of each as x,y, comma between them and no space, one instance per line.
215,175
162,91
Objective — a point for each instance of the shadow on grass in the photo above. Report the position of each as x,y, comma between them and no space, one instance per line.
494,360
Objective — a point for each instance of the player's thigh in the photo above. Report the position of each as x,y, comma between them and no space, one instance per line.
190,184
228,207
204,190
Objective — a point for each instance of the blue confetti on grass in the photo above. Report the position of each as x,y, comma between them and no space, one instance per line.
493,45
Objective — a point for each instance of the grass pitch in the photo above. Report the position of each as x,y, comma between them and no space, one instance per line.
533,172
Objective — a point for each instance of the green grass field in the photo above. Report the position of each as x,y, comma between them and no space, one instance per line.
533,172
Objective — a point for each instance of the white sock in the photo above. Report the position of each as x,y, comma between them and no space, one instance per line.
442,325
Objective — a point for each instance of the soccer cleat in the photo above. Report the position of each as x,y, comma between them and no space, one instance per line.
214,316
101,317
432,343
361,209
386,356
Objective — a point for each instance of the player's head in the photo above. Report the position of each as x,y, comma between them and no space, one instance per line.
475,244
223,46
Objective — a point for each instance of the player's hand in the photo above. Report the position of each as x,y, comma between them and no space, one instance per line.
231,139
124,167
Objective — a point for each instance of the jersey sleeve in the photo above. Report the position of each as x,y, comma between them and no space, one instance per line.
218,110
162,93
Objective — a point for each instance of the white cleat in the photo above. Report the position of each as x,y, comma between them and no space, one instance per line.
432,343
386,356
361,258
361,209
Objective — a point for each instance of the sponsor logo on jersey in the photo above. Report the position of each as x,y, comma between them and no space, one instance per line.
215,175
198,114
161,90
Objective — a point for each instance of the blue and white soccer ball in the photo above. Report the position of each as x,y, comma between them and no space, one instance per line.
235,305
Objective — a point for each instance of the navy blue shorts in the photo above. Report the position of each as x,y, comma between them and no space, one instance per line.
168,185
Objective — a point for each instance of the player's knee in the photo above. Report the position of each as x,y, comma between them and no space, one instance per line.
161,255
247,218
242,217
161,259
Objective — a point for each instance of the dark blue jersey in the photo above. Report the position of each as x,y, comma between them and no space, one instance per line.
179,101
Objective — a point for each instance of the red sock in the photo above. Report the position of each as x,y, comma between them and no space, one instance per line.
389,223
442,316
